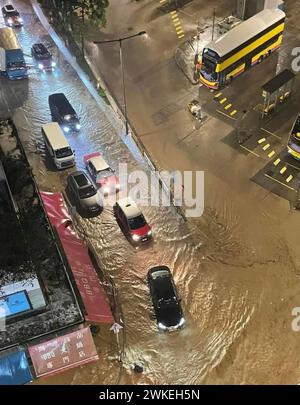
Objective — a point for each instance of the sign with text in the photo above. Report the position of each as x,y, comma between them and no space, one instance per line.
63,352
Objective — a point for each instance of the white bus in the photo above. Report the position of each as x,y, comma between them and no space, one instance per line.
58,146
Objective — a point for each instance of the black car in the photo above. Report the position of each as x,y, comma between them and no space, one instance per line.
11,16
83,192
63,113
165,300
43,57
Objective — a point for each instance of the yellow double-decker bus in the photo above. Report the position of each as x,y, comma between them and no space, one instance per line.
294,140
242,47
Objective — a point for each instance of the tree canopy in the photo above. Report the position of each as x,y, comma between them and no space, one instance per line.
91,11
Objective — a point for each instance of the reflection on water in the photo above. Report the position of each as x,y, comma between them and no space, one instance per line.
220,286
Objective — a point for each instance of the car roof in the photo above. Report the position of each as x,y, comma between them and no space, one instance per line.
55,135
99,163
38,46
9,7
129,207
62,103
81,179
164,286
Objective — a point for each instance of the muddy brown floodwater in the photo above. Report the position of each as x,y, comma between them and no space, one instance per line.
236,267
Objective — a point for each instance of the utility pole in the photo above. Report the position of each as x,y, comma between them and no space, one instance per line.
82,31
120,40
196,59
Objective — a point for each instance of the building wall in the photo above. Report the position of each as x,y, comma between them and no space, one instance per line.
248,8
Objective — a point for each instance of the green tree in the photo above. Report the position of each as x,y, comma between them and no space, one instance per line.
91,11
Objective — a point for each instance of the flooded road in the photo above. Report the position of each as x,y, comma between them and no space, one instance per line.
236,267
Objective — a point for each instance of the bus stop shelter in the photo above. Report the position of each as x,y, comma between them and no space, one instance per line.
276,91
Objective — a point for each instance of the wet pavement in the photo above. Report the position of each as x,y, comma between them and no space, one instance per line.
236,267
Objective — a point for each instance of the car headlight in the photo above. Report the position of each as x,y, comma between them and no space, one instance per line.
66,129
67,117
78,126
41,66
149,232
135,237
53,64
161,326
20,20
181,322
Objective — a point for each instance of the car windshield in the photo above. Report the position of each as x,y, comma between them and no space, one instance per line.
295,140
63,152
70,117
105,173
13,13
167,302
137,222
87,191
44,54
16,65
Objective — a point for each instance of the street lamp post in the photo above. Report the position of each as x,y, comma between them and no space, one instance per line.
120,40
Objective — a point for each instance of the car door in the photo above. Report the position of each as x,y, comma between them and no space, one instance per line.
92,170
73,189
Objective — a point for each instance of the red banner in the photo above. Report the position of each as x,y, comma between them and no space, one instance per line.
92,293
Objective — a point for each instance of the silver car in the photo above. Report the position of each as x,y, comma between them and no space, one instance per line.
83,192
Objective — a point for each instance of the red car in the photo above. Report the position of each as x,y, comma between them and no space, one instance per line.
101,173
132,221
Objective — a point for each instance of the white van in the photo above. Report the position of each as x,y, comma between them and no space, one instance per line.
58,146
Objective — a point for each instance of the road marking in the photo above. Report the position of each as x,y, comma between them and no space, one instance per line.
271,133
271,154
223,100
228,106
177,24
233,112
226,115
283,170
218,95
250,151
289,178
266,146
276,162
269,177
261,140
